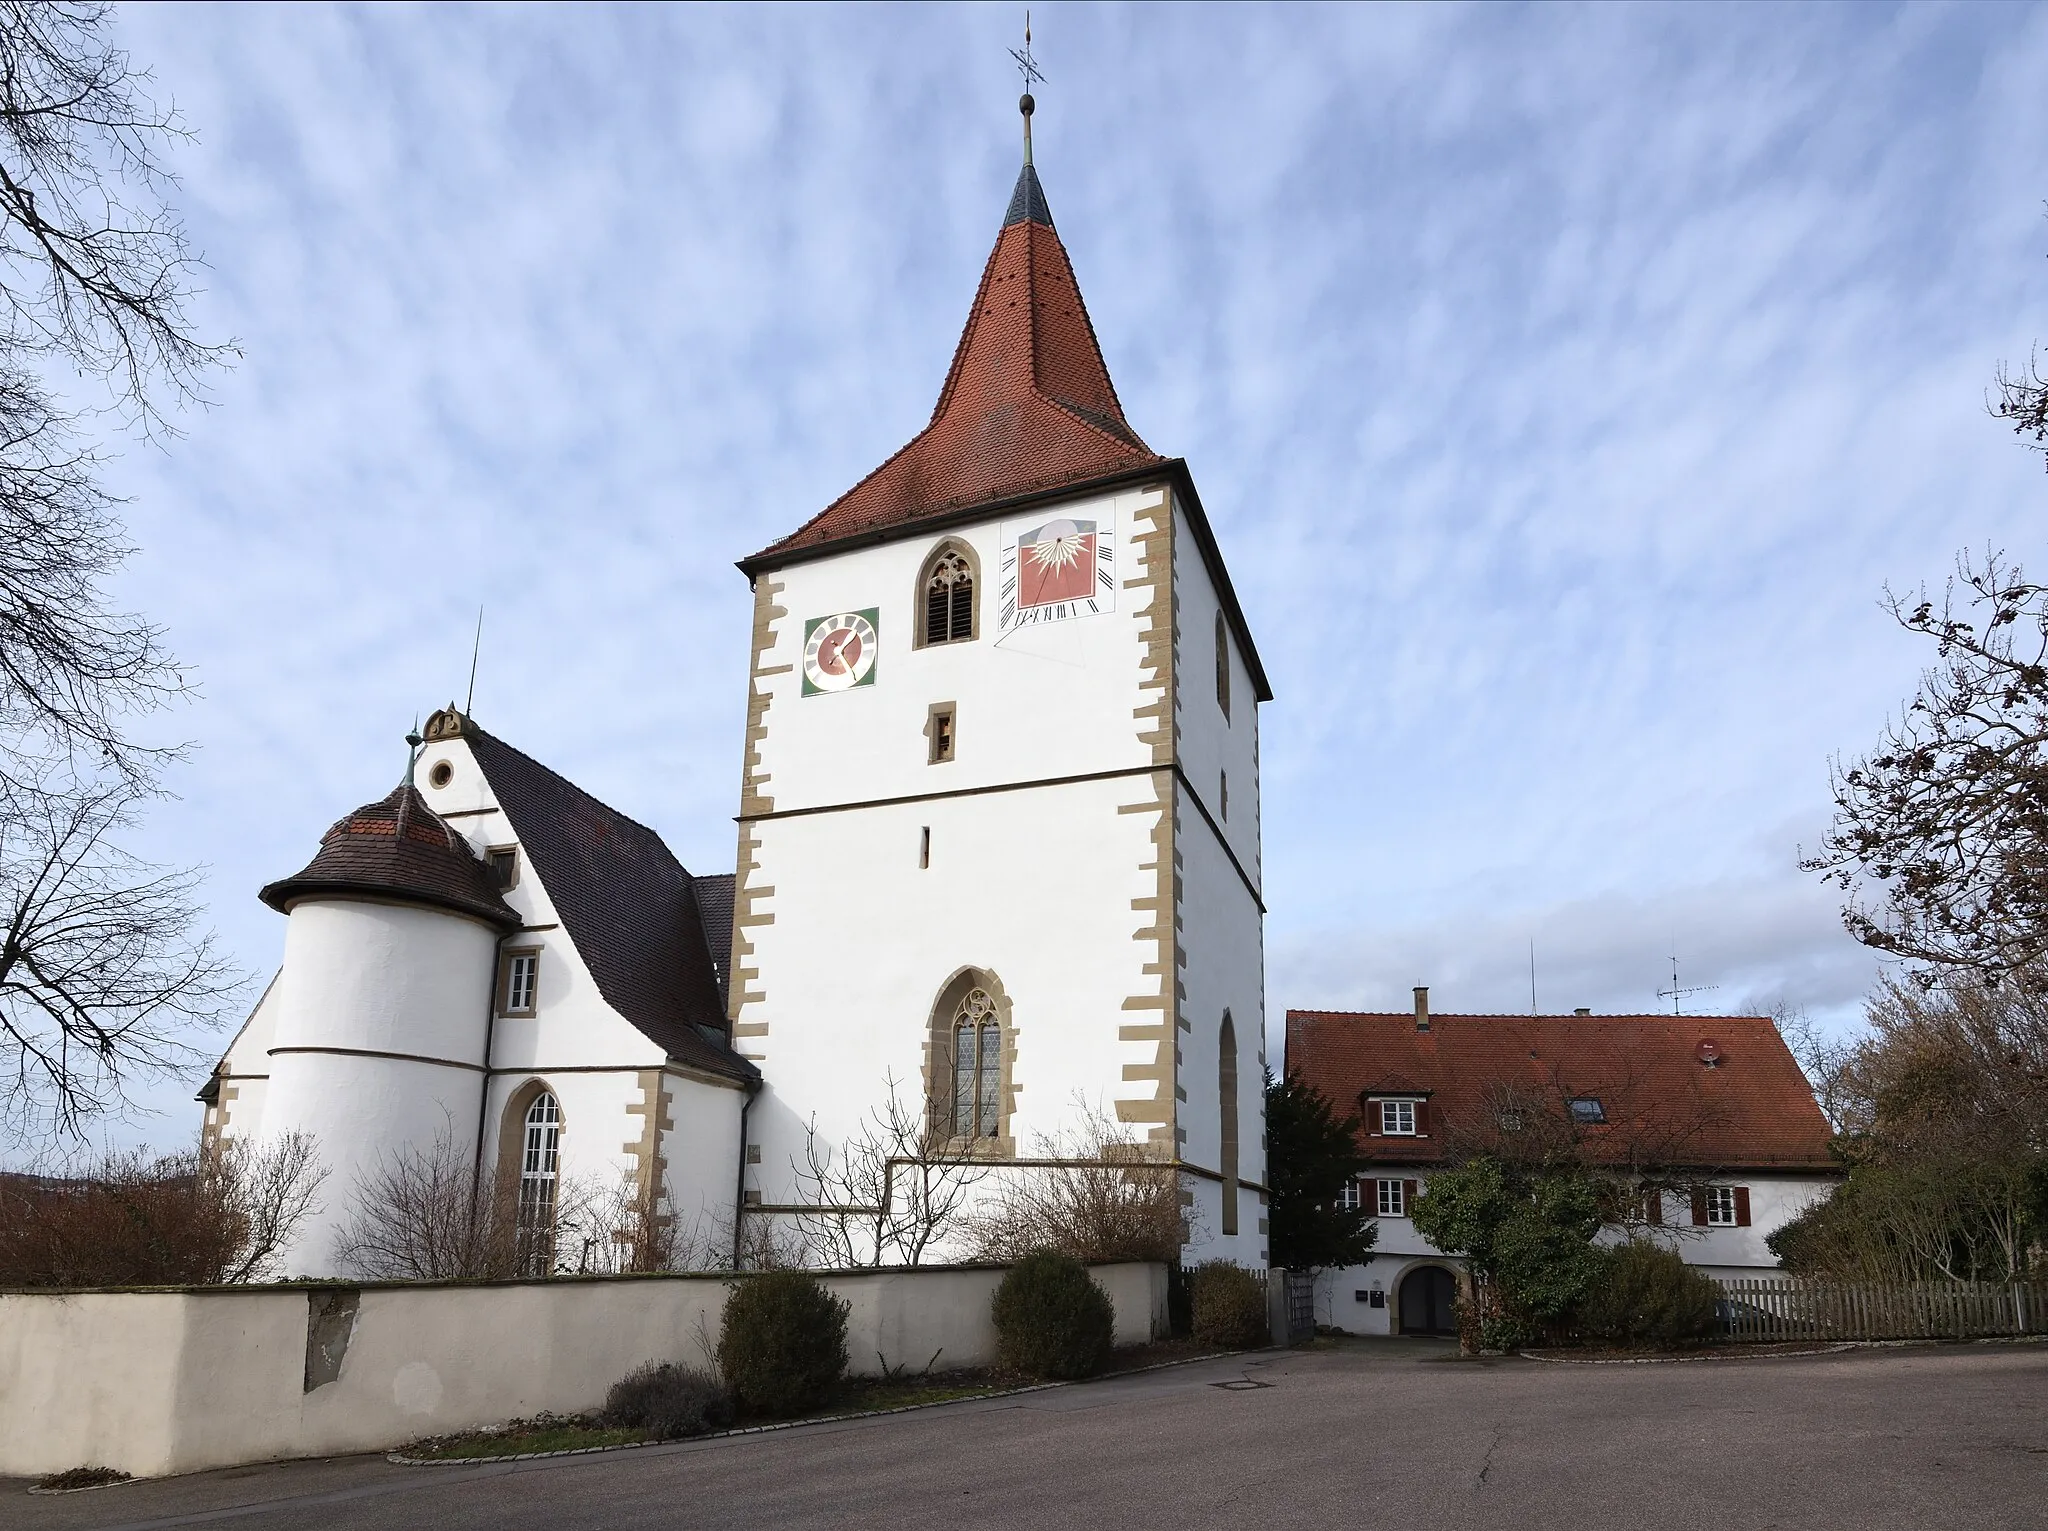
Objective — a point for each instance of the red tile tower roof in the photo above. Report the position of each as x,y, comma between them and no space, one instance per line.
1751,1110
1027,406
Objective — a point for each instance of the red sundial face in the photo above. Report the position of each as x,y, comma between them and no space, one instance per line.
840,652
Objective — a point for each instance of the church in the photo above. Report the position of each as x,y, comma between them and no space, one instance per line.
998,858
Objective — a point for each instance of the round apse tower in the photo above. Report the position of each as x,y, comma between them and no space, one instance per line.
384,1001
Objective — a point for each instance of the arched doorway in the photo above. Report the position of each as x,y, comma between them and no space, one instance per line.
1428,1295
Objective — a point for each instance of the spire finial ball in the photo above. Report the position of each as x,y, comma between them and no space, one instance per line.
1026,105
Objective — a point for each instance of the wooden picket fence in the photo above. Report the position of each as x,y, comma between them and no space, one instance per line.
1858,1310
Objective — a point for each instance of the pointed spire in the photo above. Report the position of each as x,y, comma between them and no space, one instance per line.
1027,202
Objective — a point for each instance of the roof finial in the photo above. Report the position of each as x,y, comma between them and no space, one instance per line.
476,649
412,745
1028,67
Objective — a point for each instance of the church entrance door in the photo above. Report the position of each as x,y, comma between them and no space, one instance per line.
1427,1295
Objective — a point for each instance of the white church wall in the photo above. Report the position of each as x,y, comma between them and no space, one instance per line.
379,1043
1034,886
244,1073
703,1154
1211,743
869,742
154,1383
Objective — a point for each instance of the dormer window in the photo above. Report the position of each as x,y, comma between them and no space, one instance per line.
1397,1118
1587,1111
503,863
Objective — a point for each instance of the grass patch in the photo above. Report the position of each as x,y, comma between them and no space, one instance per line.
81,1477
522,1436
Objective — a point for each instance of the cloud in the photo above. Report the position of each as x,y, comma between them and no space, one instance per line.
1563,382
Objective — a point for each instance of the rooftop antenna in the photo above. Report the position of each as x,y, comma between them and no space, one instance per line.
476,648
1028,67
1677,992
1532,975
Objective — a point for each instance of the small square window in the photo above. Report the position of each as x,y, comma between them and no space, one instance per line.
1720,1206
1348,1198
1588,1111
519,992
1393,1202
1397,1118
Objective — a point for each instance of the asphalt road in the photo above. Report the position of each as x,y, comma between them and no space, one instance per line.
1364,1434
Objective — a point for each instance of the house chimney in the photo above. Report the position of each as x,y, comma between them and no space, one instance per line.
1583,1010
1422,1007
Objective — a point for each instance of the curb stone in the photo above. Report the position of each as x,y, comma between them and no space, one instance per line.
1737,1353
399,1458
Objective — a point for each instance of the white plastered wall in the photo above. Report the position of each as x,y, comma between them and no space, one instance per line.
1221,924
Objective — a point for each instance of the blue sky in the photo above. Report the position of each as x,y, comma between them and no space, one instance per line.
1563,383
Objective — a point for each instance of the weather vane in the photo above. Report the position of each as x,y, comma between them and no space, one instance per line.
1027,66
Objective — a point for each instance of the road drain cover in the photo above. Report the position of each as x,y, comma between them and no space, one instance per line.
1240,1385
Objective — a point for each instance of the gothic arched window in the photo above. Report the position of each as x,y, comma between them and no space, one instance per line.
1226,1101
947,590
540,1156
977,1067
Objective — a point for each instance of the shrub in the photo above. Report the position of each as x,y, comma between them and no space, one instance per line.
1229,1307
782,1344
668,1402
1644,1295
1052,1320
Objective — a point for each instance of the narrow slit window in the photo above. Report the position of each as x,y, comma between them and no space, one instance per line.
924,848
1222,666
1223,796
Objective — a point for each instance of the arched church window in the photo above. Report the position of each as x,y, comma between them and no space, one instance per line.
1226,1101
539,1176
977,1067
948,597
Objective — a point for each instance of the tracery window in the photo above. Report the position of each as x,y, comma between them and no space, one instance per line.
539,1175
949,598
977,1067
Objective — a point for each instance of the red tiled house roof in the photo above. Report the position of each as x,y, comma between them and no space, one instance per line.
1027,406
1752,1110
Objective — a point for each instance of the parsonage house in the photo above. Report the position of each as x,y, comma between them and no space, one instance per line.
1706,1119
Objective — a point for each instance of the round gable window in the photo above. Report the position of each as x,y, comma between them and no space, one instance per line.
442,774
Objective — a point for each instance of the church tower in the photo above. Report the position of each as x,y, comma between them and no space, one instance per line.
999,813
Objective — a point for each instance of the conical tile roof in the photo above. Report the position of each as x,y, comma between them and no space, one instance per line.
397,848
1027,406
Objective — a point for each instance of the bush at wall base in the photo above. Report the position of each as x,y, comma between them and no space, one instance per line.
668,1401
1229,1307
782,1343
1644,1295
1051,1319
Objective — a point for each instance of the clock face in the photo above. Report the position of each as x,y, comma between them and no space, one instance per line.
1057,568
839,651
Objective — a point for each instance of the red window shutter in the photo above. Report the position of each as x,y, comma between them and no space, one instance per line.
1742,1206
1653,1208
1372,1119
1408,1190
1699,1206
1422,1118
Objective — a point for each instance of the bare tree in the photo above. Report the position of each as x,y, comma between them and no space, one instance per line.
421,1215
889,1193
632,1225
95,277
1940,835
1092,1194
101,970
198,1219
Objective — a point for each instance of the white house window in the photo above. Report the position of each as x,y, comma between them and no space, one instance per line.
1720,1206
1348,1198
539,1172
521,987
977,1066
1393,1198
1397,1118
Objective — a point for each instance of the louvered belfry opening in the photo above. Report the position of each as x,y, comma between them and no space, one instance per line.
949,600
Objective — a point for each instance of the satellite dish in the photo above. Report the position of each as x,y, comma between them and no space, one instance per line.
1709,1052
